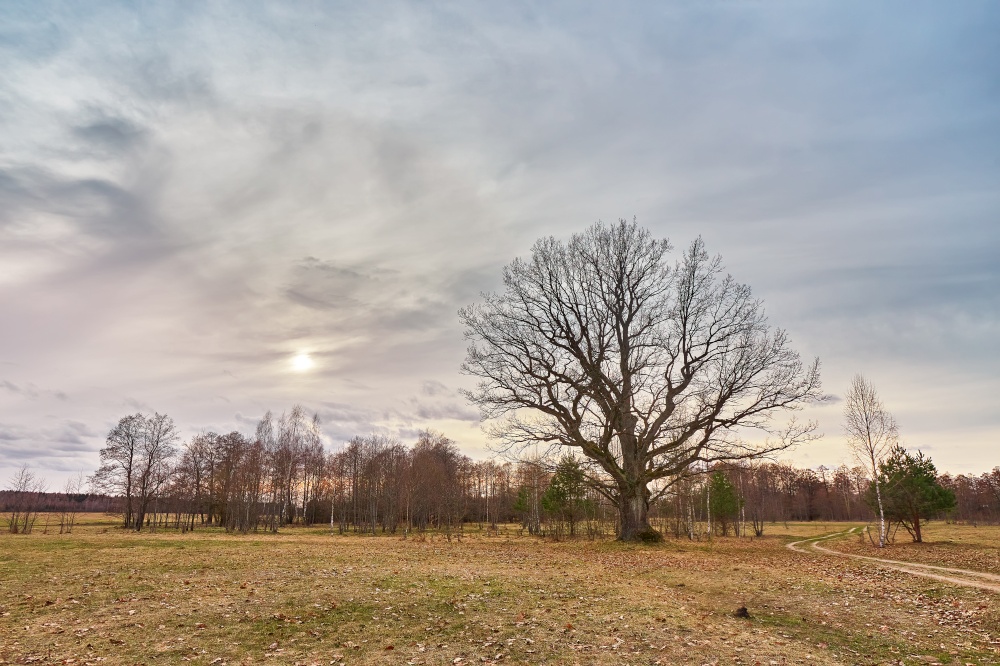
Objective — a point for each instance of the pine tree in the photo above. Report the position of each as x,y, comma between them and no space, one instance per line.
724,503
911,492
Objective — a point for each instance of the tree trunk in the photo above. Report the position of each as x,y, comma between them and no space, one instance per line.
881,515
708,508
633,509
128,508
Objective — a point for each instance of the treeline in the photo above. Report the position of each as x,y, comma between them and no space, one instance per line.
281,475
239,482
977,497
26,500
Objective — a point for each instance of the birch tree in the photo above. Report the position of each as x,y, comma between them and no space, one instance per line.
119,460
135,463
26,492
871,434
156,452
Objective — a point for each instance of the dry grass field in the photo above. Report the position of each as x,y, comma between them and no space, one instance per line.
963,546
100,596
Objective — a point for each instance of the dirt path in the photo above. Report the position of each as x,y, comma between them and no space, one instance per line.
964,577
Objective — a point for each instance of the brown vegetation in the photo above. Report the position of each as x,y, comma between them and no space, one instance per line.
946,545
103,595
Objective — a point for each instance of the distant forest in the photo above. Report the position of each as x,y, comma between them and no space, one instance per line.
282,476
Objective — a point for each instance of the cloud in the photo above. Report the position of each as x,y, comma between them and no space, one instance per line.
14,388
435,388
62,446
31,391
323,285
182,213
111,136
452,411
139,406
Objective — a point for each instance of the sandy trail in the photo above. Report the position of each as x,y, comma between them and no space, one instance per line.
963,577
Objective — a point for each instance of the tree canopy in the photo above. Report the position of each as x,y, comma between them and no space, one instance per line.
566,493
724,503
646,368
911,492
136,462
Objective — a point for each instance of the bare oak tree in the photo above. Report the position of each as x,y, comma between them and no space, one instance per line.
600,345
871,433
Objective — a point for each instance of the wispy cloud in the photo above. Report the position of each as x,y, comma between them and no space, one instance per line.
189,198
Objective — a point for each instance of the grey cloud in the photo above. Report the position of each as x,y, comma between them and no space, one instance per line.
341,422
20,444
332,301
160,78
377,301
139,406
103,207
408,435
79,429
345,413
248,421
16,195
26,34
31,391
436,403
113,135
98,206
325,285
465,286
28,391
427,314
447,410
435,388
399,354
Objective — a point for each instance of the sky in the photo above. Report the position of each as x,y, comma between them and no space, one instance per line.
195,195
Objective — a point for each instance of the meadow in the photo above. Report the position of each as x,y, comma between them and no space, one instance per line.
304,596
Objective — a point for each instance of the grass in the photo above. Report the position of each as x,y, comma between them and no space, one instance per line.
961,546
100,596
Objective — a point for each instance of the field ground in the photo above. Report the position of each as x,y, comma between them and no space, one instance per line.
100,596
962,546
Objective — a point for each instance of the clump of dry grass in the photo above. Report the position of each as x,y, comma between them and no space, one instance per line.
305,597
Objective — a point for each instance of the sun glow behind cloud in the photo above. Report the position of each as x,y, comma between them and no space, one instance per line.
302,362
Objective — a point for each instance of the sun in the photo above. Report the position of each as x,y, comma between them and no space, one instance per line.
302,362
